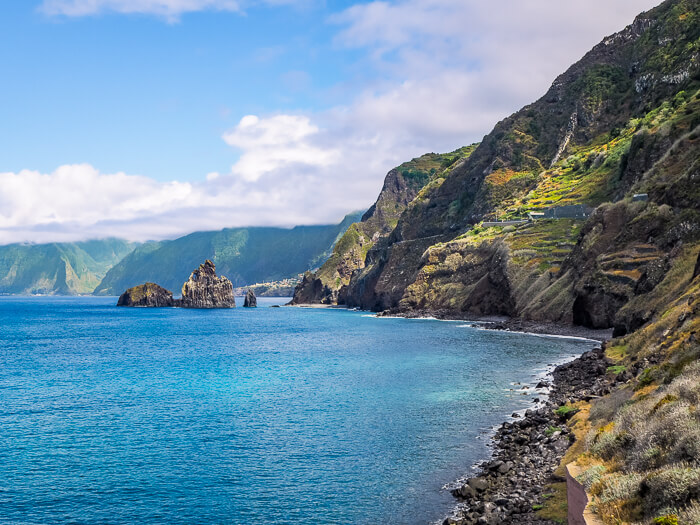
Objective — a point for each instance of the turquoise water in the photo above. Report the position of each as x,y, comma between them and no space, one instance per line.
267,415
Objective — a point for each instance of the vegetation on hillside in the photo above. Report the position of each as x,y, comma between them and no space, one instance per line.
244,255
408,182
58,268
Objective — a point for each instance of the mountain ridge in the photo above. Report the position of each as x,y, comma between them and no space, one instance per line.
244,255
58,268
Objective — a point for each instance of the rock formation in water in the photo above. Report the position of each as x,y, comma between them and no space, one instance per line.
205,290
148,294
250,300
202,290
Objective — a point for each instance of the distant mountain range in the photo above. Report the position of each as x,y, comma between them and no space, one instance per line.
244,255
110,266
59,268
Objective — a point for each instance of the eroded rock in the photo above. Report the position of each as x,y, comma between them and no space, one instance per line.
147,294
250,300
204,289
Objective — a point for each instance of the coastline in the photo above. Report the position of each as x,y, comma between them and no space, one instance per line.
318,305
508,324
526,451
491,322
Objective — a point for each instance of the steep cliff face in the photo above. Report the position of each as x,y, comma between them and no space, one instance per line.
402,185
148,294
623,120
205,290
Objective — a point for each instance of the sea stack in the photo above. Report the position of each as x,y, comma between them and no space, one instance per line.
250,300
205,290
148,294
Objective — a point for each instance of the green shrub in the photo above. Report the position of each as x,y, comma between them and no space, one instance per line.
646,377
616,369
566,411
617,487
591,476
671,519
551,430
691,514
671,486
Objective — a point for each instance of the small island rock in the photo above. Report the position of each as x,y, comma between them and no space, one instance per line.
148,294
205,290
250,300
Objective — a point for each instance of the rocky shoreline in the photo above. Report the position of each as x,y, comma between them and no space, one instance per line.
512,484
527,451
509,324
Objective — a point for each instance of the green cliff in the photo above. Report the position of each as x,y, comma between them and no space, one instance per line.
402,185
622,121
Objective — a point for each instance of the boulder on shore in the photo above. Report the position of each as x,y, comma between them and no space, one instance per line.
205,290
148,294
250,300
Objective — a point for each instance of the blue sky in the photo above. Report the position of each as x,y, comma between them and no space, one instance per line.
150,96
149,119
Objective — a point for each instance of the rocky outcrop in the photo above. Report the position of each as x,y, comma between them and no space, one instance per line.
202,290
309,290
148,294
250,300
205,290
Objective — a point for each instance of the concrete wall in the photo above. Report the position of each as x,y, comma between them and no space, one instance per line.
487,224
579,513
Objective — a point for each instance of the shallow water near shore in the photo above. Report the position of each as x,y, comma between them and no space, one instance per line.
275,415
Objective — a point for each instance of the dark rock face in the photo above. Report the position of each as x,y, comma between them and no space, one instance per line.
202,290
148,294
309,290
402,185
205,290
250,300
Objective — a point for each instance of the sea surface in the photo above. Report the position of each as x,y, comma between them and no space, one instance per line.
267,415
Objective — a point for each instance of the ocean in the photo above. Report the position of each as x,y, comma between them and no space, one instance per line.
266,415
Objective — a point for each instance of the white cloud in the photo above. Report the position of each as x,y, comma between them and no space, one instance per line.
77,202
447,70
280,141
169,9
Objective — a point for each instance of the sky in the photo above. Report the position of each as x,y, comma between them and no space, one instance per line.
150,119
